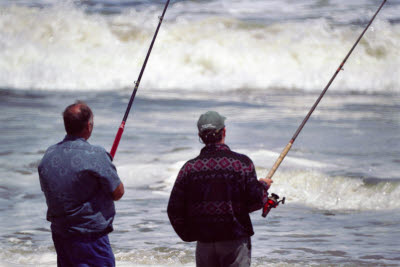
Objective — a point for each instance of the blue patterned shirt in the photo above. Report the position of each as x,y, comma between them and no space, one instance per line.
78,179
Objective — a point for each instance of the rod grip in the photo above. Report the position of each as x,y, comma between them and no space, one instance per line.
279,160
117,139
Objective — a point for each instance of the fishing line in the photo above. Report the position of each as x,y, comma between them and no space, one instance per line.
289,145
137,83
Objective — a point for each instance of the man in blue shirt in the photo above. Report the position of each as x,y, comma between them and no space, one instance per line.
80,184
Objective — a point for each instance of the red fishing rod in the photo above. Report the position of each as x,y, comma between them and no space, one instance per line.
273,201
137,83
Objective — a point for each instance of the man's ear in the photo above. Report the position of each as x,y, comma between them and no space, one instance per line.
88,126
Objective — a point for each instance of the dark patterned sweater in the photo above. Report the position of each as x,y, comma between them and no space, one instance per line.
213,196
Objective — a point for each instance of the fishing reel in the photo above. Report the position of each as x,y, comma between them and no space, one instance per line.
272,202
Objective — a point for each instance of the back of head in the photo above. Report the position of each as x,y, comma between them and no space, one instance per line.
211,137
76,117
211,125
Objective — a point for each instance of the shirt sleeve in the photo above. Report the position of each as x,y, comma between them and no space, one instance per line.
176,207
106,172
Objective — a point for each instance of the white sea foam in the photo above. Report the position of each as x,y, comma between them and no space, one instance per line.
67,49
315,189
309,186
24,256
304,182
21,257
166,256
142,174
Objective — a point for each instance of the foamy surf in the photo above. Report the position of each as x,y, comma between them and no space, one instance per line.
335,193
140,258
65,48
307,185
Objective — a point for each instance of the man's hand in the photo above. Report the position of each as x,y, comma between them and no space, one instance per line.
268,181
118,192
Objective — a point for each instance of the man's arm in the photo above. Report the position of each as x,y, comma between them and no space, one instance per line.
118,192
256,190
107,174
176,208
266,184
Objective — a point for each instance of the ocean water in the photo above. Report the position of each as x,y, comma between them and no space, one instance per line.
262,64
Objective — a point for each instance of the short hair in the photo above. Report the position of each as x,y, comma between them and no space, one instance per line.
76,117
211,136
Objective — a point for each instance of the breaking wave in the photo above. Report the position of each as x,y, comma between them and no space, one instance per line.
306,184
66,48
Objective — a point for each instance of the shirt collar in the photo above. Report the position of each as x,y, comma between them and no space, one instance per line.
73,138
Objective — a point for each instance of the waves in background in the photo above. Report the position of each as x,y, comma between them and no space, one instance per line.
203,45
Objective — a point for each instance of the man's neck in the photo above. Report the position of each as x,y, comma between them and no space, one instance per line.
77,136
222,142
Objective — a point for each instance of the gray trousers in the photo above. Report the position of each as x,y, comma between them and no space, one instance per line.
232,253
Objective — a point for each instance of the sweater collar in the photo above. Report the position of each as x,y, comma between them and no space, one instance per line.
215,147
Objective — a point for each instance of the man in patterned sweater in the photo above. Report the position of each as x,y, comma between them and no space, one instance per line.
213,196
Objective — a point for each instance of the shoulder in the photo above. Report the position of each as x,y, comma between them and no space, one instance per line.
98,152
244,161
187,168
82,146
51,149
55,150
50,152
242,157
97,149
78,148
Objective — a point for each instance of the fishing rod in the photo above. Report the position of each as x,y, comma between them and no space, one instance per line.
273,201
137,83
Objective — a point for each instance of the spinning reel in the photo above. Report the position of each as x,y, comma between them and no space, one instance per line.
272,202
